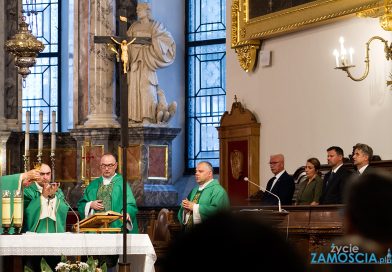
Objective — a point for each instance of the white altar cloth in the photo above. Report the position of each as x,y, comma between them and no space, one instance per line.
139,247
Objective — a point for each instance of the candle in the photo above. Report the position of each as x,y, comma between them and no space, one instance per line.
6,208
351,52
40,135
53,139
27,133
336,54
18,210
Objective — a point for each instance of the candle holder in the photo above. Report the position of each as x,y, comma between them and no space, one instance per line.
343,62
17,217
6,211
39,157
26,161
53,159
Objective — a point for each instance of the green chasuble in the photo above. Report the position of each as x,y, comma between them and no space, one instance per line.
212,199
90,194
32,210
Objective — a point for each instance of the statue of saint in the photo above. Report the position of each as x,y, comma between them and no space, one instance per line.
144,60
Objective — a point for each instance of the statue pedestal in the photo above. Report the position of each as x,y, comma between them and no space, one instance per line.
149,160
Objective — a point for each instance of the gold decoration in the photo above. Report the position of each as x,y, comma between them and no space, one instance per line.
248,32
24,47
247,56
236,163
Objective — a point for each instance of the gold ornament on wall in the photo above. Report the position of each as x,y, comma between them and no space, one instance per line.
236,163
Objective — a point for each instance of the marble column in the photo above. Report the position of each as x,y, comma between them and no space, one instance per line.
4,135
101,70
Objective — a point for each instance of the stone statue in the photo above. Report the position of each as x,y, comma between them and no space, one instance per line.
147,103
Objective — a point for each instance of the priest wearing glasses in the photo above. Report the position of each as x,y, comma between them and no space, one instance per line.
106,194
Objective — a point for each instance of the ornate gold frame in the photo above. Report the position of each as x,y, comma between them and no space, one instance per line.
166,150
246,34
83,168
139,163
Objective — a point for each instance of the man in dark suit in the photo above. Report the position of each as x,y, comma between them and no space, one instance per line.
362,156
282,184
335,180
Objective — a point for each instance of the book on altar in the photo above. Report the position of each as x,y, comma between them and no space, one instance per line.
99,220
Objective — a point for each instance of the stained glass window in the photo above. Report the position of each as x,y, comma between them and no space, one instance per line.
42,87
206,79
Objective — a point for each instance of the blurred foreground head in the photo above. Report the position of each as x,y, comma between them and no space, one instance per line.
227,242
368,207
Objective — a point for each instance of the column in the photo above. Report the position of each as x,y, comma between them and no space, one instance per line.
101,71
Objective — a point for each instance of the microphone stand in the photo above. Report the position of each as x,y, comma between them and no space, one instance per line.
76,215
264,189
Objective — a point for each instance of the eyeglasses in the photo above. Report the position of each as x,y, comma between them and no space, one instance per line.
273,163
111,165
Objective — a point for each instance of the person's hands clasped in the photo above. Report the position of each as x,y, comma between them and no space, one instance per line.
188,205
97,205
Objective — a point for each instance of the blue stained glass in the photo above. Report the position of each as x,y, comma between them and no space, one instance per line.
206,20
41,88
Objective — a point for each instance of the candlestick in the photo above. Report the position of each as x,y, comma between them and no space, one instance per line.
27,133
53,138
40,135
18,210
6,208
336,54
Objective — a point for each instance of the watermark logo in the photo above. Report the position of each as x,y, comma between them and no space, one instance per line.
349,254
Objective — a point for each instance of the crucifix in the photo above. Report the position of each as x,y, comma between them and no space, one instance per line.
123,41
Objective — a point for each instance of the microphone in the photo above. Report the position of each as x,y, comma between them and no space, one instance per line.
264,189
76,215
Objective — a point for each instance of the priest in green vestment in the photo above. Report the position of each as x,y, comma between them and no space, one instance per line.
45,209
207,198
106,194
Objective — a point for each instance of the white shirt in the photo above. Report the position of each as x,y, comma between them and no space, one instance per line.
276,178
362,169
48,206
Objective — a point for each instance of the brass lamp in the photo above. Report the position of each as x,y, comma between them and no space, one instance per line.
24,47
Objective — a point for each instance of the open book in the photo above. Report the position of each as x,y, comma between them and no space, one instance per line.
99,222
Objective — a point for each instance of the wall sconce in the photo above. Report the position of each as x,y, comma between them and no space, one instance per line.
344,61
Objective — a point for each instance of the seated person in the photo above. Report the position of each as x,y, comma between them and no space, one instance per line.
310,189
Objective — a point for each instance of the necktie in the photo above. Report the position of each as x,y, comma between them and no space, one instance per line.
330,177
270,183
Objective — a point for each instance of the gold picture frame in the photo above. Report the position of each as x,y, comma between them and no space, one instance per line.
91,161
158,156
247,29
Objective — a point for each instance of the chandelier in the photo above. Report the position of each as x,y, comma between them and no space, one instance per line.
24,47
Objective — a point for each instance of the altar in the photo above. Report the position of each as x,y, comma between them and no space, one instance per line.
139,247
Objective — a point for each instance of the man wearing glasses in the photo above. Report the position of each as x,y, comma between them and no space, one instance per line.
44,205
281,184
106,194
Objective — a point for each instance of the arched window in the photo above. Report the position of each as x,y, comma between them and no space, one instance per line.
205,78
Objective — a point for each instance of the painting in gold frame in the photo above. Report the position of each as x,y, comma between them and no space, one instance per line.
158,162
91,160
134,155
248,29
